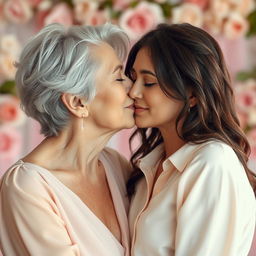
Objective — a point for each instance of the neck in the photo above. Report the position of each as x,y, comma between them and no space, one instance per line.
172,142
73,149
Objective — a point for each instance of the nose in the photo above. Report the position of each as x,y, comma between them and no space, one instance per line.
135,91
128,84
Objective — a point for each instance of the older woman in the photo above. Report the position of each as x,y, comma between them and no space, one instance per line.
68,197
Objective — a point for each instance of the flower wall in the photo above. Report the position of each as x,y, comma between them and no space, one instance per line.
231,22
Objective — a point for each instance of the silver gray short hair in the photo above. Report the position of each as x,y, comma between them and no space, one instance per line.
58,60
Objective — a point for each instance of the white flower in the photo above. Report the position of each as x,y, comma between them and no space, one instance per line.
252,117
244,7
235,26
10,45
188,13
7,68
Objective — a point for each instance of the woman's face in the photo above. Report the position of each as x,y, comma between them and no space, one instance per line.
152,107
111,108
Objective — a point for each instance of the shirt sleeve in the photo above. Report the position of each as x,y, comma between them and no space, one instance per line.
29,218
211,202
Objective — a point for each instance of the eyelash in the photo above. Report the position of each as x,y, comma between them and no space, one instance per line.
120,79
146,84
149,84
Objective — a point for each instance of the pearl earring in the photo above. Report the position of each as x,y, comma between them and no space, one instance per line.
83,121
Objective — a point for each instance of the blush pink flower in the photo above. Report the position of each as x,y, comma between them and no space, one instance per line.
245,99
60,13
83,8
235,26
97,17
10,111
188,13
201,3
17,11
139,20
10,141
121,4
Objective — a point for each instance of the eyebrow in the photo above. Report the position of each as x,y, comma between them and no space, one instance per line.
144,71
117,68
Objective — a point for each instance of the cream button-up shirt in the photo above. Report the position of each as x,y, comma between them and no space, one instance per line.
201,205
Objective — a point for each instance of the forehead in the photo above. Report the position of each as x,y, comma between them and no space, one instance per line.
104,54
143,60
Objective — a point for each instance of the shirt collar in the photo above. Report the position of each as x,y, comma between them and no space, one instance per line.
150,160
184,155
179,159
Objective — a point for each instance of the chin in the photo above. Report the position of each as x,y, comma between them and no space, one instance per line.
142,123
130,124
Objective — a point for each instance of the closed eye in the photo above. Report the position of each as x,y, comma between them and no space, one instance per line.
149,84
120,79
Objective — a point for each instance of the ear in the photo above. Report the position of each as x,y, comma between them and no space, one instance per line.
192,101
75,104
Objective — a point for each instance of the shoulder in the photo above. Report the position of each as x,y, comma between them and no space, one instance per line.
22,179
215,153
214,161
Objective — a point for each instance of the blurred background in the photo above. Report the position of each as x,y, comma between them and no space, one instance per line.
231,22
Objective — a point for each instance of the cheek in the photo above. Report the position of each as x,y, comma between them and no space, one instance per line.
114,97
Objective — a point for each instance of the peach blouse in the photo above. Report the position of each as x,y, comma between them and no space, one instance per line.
201,205
40,216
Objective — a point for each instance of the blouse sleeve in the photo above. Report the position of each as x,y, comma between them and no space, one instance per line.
216,207
29,218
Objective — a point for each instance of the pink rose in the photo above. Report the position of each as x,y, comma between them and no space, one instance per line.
235,26
60,13
188,13
144,17
17,11
201,3
245,99
96,18
10,141
10,111
121,4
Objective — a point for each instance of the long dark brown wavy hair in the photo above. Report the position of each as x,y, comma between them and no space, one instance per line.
188,58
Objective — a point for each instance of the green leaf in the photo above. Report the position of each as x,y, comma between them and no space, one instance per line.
245,75
8,87
69,2
252,23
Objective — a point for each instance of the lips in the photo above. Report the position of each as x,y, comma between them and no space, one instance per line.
139,109
130,106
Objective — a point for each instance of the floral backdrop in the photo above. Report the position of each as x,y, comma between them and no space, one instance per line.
230,21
